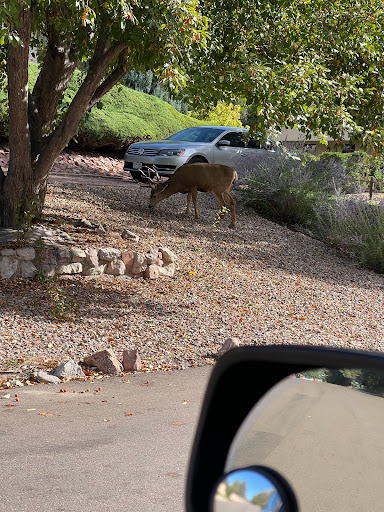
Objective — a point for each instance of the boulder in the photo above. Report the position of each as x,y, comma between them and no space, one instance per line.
105,361
229,344
109,254
91,258
115,267
139,263
128,235
42,376
131,361
152,272
69,370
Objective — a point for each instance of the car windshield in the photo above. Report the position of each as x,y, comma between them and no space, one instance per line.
197,134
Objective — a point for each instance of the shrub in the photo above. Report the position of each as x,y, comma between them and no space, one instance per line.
286,189
357,164
357,226
377,171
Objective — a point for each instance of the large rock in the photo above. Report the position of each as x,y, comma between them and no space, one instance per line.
109,254
8,266
26,253
95,271
152,272
229,344
128,257
63,255
42,376
167,270
71,268
91,257
131,361
139,264
27,269
115,267
69,370
77,254
168,255
106,361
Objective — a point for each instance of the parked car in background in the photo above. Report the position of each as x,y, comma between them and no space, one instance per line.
212,144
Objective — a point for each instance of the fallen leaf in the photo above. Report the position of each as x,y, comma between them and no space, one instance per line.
130,413
177,423
108,419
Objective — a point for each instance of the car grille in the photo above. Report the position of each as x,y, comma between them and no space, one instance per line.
128,166
142,151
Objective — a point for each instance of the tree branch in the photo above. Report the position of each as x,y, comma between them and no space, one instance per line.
59,138
116,75
58,67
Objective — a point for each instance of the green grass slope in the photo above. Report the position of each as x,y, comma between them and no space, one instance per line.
125,116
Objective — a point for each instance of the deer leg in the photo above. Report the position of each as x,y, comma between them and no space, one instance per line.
229,199
189,197
194,199
220,200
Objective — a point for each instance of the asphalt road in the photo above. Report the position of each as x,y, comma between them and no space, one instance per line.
123,447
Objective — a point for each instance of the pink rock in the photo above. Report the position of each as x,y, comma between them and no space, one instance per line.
106,361
131,361
229,344
127,257
91,257
152,272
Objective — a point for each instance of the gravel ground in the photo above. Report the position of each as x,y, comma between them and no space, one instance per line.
259,282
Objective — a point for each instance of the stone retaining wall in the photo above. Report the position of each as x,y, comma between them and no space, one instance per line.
26,262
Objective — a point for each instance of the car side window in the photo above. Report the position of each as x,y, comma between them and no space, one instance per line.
235,139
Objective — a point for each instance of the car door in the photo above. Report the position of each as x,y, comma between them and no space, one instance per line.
223,154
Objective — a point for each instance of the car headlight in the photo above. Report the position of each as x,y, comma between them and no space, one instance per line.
171,152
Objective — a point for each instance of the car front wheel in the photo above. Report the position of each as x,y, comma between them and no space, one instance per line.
197,160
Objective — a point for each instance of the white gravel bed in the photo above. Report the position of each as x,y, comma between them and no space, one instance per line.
259,282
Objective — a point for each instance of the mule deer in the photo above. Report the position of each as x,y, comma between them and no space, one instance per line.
199,177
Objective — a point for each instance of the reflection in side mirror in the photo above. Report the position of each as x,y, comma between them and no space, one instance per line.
253,489
317,428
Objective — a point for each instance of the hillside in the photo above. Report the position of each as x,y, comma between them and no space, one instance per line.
123,116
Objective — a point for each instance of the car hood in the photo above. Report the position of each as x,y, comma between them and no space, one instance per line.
160,144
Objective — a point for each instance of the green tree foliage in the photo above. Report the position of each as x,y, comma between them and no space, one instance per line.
222,114
236,488
104,40
261,499
371,381
145,81
316,65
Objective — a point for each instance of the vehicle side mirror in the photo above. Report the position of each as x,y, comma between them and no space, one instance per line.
309,414
224,143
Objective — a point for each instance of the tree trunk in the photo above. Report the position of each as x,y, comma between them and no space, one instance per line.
17,189
23,189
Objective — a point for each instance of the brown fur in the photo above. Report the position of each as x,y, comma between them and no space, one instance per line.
199,177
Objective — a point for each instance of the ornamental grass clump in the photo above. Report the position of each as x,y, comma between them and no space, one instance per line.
287,189
356,226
